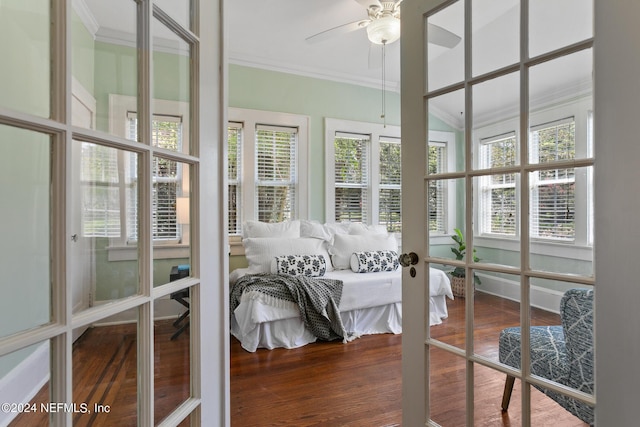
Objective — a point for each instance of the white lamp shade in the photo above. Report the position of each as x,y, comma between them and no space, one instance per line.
384,30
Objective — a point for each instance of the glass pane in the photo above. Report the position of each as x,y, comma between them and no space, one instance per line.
561,221
26,59
25,172
447,315
171,90
446,133
496,34
447,374
554,24
171,353
104,66
440,300
561,106
171,220
496,238
496,124
445,47
105,371
179,10
104,217
25,391
487,397
562,345
446,205
495,307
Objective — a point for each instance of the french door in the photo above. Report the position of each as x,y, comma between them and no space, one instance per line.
513,80
105,178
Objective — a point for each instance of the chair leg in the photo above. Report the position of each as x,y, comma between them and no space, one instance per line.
508,389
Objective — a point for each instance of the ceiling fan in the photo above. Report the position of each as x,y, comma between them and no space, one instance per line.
383,26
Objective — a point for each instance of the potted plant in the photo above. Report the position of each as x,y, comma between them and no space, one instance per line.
458,273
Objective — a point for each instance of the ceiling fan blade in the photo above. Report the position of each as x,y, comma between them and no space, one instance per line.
441,37
341,29
367,3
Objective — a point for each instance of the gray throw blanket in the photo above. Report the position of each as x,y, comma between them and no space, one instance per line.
317,300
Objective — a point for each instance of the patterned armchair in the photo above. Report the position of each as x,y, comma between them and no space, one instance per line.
562,353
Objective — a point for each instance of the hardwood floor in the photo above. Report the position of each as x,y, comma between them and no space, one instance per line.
321,384
105,373
359,383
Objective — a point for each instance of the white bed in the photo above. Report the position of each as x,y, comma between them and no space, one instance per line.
371,303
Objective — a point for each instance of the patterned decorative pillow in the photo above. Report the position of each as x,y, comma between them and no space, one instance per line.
374,261
301,265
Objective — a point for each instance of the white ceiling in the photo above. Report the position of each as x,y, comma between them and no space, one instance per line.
271,34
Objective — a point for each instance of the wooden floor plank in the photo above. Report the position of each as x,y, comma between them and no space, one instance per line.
321,384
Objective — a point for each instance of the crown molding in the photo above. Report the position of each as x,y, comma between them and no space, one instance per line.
322,74
86,17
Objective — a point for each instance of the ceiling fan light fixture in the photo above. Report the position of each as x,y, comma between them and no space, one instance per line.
384,30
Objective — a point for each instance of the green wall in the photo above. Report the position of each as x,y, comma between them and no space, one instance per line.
287,93
25,174
119,279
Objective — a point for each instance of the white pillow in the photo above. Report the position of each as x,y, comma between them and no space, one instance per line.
359,228
261,251
337,228
300,265
309,228
374,261
252,229
344,245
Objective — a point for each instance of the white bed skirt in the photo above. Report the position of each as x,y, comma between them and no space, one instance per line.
291,333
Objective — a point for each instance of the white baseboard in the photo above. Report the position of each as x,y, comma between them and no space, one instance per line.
546,299
22,383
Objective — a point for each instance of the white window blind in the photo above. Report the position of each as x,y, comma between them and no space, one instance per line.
234,143
166,133
100,191
276,176
553,190
351,169
389,202
437,188
498,199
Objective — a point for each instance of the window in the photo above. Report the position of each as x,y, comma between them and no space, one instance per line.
234,144
267,166
498,203
100,191
441,192
553,190
351,177
363,178
170,179
276,173
166,133
390,184
437,196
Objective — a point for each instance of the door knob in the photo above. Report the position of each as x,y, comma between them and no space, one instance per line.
408,259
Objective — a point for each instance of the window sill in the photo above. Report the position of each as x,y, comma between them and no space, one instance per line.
130,253
568,250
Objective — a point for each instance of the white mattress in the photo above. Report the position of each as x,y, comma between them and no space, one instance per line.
370,303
